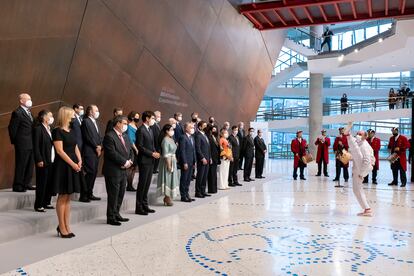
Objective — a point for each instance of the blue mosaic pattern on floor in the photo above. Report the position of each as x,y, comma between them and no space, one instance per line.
299,247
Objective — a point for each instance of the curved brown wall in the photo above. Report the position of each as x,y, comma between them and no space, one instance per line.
180,55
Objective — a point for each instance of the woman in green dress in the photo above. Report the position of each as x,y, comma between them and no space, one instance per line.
168,180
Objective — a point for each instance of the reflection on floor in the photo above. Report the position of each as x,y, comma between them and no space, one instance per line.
273,227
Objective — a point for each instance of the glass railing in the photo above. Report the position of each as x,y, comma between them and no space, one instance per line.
287,58
269,114
304,38
351,82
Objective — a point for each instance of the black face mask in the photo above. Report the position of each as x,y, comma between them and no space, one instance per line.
211,121
136,120
194,120
395,134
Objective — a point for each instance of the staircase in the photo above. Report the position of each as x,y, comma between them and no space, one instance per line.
286,74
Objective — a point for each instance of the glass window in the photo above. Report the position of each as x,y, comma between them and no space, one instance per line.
384,27
347,40
371,31
359,35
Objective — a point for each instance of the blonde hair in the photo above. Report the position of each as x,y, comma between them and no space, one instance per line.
64,116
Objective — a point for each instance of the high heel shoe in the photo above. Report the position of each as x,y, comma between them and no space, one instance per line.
167,201
59,233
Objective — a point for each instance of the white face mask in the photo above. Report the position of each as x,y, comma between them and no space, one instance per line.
180,118
124,128
29,103
96,116
171,133
81,112
151,122
226,135
158,120
251,133
358,138
51,120
234,133
192,131
174,126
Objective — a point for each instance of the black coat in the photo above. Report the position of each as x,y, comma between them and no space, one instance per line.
259,147
235,146
77,132
186,150
42,145
156,130
109,126
178,131
116,154
215,150
20,129
145,144
202,146
91,137
248,146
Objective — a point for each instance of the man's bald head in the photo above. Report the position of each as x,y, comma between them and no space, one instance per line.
24,98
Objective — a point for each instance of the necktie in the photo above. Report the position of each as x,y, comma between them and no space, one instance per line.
30,115
122,140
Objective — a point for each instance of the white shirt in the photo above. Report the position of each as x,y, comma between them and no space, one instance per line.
52,153
94,122
362,156
79,118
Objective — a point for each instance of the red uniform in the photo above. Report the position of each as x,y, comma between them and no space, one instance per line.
336,146
403,144
300,149
375,144
323,147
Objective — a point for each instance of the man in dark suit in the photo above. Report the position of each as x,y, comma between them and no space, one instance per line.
248,149
92,148
156,130
260,150
186,158
117,159
117,112
203,154
179,128
241,134
77,132
20,132
147,154
234,165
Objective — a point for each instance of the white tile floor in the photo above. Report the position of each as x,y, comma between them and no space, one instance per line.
275,227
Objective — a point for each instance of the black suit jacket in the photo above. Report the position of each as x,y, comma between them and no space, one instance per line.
248,146
202,146
178,132
186,150
20,129
215,150
259,147
77,132
109,126
145,144
235,147
156,130
91,137
116,154
42,145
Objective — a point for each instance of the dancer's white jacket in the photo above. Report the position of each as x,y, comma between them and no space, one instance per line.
362,156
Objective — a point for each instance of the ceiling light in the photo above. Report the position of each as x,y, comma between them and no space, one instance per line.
356,50
380,40
393,65
341,58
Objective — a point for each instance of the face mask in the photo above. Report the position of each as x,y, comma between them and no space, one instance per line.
260,135
251,133
158,120
234,133
211,121
226,135
29,104
51,120
395,134
194,120
174,126
179,119
96,116
124,128
151,122
358,138
192,131
136,120
171,133
81,112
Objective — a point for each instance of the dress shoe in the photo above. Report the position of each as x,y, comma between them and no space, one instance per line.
232,185
251,179
374,182
295,178
92,197
131,189
302,178
19,190
392,184
238,184
141,212
192,199
121,219
365,182
246,180
318,174
402,185
206,195
49,207
84,199
326,175
185,200
335,179
63,236
113,222
30,188
149,210
199,195
72,235
40,210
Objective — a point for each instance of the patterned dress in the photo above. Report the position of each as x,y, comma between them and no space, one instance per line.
168,182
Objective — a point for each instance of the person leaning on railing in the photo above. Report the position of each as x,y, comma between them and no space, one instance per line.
392,98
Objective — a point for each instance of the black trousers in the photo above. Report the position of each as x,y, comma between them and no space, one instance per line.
23,170
374,176
325,166
156,164
201,178
339,165
115,188
84,190
259,166
144,182
185,180
212,179
395,167
301,167
91,163
43,186
248,165
234,166
326,41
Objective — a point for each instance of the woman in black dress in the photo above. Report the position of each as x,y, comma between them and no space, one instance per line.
212,134
66,169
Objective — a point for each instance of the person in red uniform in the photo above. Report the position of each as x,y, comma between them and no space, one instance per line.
299,147
375,144
323,142
341,143
398,144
